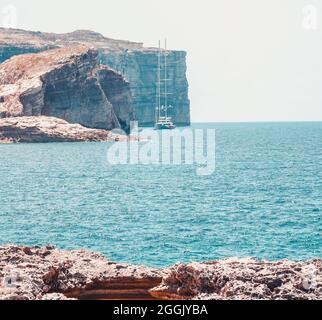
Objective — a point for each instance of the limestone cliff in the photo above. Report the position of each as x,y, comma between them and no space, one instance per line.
137,63
66,83
140,68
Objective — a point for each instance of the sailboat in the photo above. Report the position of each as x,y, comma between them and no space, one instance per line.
162,119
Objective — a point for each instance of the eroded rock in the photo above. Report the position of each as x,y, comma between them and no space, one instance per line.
50,129
86,275
243,279
66,83
71,274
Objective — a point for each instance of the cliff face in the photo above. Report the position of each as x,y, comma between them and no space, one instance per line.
140,68
131,59
47,273
66,83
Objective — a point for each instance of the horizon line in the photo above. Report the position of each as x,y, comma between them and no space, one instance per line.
258,121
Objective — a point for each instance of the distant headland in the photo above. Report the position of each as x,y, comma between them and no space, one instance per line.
85,78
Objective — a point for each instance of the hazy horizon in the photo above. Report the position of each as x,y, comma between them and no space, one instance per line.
248,61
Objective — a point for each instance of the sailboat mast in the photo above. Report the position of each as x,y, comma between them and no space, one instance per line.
159,81
165,80
158,91
163,122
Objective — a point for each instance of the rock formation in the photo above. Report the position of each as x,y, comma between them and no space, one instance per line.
243,279
34,273
50,129
137,63
50,274
66,83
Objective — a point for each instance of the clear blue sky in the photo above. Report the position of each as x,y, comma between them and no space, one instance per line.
249,60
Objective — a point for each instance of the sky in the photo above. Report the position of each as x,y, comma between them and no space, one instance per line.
249,60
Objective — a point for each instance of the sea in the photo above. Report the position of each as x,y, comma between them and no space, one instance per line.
263,200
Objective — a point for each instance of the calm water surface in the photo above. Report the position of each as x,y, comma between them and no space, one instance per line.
264,199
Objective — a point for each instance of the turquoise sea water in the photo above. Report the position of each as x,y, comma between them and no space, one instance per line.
264,199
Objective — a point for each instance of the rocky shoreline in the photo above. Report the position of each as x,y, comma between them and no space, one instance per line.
34,273
50,129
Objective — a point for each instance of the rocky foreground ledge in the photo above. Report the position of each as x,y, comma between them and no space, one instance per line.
29,273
